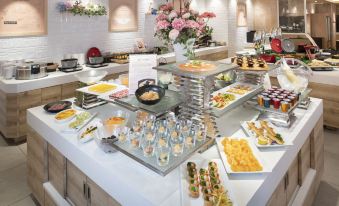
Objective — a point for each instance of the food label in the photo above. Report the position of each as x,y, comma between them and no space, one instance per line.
141,68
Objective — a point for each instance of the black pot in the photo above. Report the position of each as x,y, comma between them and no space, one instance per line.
161,91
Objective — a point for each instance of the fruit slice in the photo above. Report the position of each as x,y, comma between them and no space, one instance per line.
262,140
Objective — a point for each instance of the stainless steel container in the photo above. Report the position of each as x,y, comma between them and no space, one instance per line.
31,71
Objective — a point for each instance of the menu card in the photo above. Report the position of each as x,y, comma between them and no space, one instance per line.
141,71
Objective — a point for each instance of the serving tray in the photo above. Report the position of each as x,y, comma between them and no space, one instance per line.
252,135
240,99
151,162
256,153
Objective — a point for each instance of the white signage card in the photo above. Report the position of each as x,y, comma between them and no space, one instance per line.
141,70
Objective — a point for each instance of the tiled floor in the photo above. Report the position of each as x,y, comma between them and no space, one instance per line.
328,193
15,192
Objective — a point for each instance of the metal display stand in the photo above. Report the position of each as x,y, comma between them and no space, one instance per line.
197,87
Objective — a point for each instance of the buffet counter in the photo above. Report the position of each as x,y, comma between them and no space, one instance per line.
324,85
118,179
58,78
19,95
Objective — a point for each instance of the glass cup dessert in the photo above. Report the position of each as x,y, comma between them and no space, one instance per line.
160,126
200,133
163,154
147,148
149,134
185,126
134,139
162,139
122,133
177,145
190,138
171,121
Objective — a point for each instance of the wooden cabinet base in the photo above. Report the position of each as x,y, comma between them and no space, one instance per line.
301,182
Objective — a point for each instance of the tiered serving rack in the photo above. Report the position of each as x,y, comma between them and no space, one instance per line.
196,88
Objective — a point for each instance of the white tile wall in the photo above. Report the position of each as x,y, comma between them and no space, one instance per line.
71,34
237,35
75,34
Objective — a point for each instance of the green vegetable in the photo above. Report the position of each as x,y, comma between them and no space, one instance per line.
278,136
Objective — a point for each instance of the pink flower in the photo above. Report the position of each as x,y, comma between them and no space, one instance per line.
201,23
173,35
172,15
186,15
161,17
163,24
192,24
207,15
178,24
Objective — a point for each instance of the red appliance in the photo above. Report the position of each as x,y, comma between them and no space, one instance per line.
276,45
93,52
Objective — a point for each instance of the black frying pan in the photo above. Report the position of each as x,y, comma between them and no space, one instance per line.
161,91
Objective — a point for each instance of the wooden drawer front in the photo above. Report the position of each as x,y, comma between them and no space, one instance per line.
331,113
75,185
215,56
29,99
292,179
50,94
68,90
324,91
36,162
317,152
26,100
49,201
98,197
9,113
304,160
278,198
57,170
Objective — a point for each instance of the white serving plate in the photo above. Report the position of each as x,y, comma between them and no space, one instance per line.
86,89
255,139
67,119
256,153
237,96
87,138
186,200
76,130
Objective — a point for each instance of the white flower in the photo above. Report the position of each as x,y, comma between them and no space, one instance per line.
186,16
173,35
172,15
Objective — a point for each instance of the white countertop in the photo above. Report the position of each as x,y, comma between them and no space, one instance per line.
130,183
57,78
326,77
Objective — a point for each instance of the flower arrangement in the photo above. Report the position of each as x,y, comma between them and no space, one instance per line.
178,27
78,9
